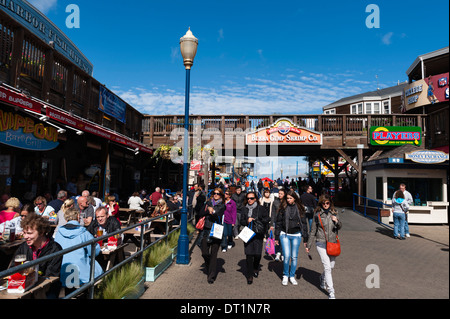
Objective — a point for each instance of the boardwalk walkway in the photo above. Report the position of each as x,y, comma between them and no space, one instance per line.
414,268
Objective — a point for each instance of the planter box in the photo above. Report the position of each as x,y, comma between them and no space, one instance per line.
151,273
174,252
139,292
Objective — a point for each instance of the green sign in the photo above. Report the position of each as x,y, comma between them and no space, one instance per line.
395,135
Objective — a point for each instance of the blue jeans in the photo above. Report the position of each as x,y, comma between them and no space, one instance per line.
227,238
290,245
399,224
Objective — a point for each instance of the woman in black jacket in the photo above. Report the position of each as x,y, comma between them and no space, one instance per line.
213,210
38,243
256,215
290,227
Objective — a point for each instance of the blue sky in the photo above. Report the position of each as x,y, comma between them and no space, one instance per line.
254,57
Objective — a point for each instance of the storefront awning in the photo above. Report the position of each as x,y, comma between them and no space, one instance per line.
35,106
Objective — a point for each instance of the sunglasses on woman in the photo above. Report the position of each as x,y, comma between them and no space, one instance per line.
326,203
252,198
215,193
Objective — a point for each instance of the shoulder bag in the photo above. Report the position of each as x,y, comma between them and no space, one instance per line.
333,249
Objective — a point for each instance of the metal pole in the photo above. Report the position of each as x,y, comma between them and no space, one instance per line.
183,241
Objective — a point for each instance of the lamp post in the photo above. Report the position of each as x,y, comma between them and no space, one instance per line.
188,47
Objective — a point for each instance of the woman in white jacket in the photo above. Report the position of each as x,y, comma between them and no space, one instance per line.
399,208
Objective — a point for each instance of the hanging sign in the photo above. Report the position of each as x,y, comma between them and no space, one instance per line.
22,132
427,157
395,135
284,132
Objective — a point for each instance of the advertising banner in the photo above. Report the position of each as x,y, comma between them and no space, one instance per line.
395,135
431,90
111,104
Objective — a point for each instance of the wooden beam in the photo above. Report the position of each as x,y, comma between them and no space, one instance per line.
348,159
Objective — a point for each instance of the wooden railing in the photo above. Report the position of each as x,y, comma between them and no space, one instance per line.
336,125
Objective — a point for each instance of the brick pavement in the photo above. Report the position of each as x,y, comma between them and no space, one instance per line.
414,268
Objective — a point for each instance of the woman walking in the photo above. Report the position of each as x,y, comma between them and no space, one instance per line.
257,218
290,227
213,210
275,209
325,215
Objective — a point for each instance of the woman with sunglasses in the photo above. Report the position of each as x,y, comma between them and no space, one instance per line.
290,227
328,215
213,210
253,213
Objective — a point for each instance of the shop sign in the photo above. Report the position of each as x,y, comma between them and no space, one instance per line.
433,89
395,135
427,157
284,132
19,100
19,131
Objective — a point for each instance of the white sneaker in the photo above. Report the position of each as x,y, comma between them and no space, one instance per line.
284,282
230,246
331,296
224,250
277,257
407,235
293,281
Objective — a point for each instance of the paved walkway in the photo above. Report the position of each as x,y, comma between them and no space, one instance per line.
414,268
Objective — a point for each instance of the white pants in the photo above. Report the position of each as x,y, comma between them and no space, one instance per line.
328,264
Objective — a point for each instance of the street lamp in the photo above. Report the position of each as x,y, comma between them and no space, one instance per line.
188,47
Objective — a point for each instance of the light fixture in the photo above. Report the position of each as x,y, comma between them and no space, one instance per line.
44,118
188,47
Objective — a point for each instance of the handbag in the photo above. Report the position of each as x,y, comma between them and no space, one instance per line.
216,231
270,244
259,227
246,233
333,249
200,223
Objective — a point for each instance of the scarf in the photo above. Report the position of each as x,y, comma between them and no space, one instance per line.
214,203
194,200
251,208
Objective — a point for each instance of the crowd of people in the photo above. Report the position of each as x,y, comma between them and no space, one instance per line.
51,225
290,215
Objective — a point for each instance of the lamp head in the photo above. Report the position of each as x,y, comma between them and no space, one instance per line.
188,47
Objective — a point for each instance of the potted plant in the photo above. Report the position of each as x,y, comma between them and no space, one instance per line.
126,282
157,259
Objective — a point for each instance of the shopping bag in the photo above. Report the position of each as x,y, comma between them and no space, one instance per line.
246,234
216,231
270,245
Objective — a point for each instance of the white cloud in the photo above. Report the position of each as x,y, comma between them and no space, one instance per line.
387,38
43,5
304,95
220,38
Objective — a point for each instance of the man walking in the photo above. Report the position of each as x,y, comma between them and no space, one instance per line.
409,199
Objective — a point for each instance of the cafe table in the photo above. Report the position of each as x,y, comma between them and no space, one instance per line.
38,291
110,256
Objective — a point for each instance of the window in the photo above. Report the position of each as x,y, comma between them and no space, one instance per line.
356,108
376,108
372,108
421,189
332,111
386,107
